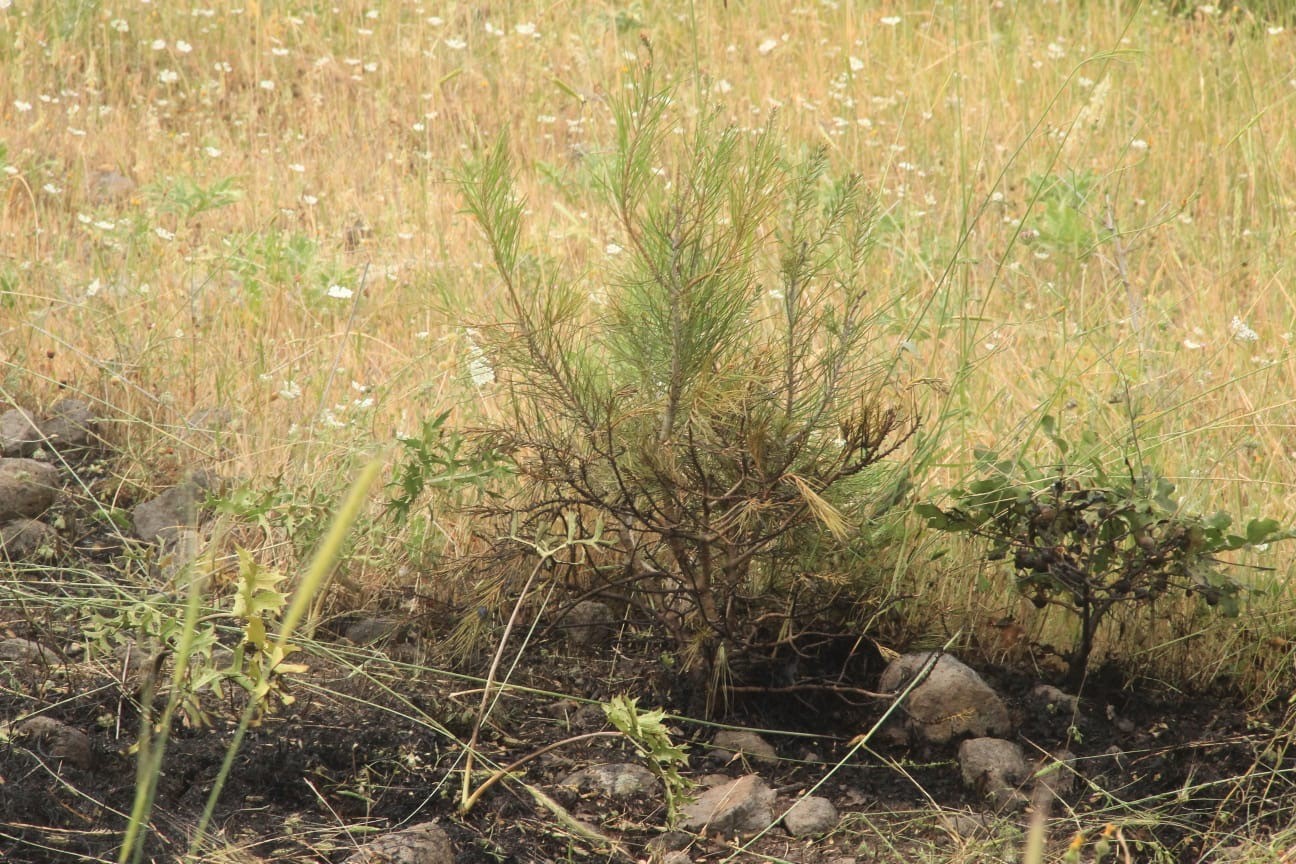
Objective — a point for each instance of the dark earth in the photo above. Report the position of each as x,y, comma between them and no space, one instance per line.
372,742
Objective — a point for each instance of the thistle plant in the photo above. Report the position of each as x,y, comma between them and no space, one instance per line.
713,418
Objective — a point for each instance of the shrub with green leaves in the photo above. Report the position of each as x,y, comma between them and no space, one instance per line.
1086,539
719,413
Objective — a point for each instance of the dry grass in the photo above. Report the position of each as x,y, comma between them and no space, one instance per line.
336,133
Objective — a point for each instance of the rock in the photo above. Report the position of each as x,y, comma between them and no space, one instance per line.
27,488
426,843
741,807
107,185
209,427
70,426
57,740
961,823
134,665
1055,700
810,816
367,631
744,743
161,519
668,841
1056,774
953,700
27,540
19,434
589,624
27,653
612,780
676,857
995,768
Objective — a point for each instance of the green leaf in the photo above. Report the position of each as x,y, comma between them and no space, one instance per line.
1261,530
1048,423
934,515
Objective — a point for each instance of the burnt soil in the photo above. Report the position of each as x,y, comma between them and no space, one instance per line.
372,742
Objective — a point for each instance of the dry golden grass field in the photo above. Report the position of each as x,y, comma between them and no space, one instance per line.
249,211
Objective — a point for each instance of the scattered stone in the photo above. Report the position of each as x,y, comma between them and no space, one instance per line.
612,780
1056,774
1122,724
27,488
181,552
963,823
743,743
368,631
108,185
133,665
27,539
56,740
994,768
70,427
589,624
162,519
209,424
810,816
26,652
426,843
741,807
1053,699
668,841
19,434
951,702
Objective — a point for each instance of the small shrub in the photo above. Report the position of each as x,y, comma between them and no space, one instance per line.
718,416
1087,540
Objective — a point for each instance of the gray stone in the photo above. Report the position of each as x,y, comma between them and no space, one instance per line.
612,780
668,841
741,807
367,631
746,744
27,540
70,426
27,653
135,665
1055,700
952,701
27,488
1056,774
208,426
962,823
19,434
57,740
995,768
108,185
426,843
810,816
589,624
676,857
162,519
589,717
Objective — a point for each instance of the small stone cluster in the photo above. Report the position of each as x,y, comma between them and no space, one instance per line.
29,486
37,451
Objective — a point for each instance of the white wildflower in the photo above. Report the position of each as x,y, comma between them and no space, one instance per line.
1241,332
